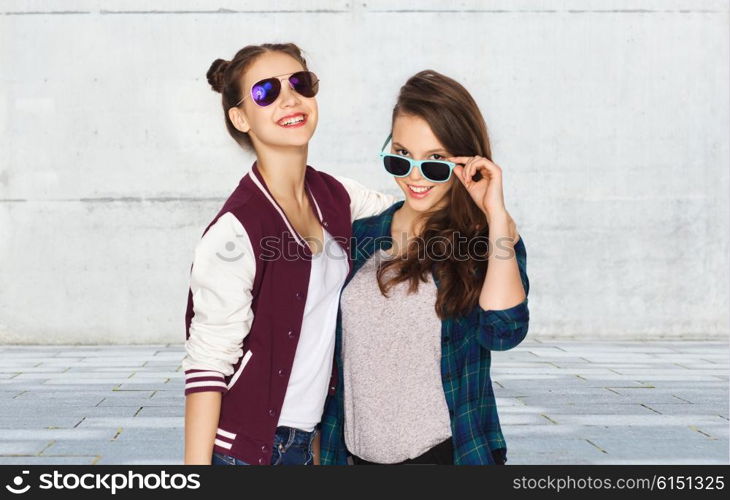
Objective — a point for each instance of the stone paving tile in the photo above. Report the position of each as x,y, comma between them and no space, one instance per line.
32,369
719,432
58,361
126,454
158,411
682,408
647,420
171,394
511,418
13,447
145,386
43,460
36,421
556,411
103,377
158,363
550,450
141,401
90,394
81,411
126,422
142,434
159,375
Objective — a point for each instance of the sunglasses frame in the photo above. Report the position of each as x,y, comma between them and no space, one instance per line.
414,163
285,76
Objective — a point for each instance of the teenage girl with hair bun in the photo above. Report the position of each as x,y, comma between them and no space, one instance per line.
267,273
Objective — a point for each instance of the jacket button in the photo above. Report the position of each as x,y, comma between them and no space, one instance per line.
263,447
261,461
291,334
299,295
281,373
272,412
332,388
325,224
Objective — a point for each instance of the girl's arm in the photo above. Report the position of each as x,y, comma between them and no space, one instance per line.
221,281
365,202
503,313
202,411
502,285
502,310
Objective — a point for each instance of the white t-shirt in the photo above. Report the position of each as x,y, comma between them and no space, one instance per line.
312,367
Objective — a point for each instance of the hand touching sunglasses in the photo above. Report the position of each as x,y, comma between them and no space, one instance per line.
266,91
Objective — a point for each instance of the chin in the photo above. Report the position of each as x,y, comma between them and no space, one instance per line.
292,141
426,204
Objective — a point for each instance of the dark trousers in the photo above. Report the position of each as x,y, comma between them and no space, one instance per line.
441,454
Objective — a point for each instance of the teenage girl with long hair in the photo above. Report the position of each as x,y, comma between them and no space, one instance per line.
446,271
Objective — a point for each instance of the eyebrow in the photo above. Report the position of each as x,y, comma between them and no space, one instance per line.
438,150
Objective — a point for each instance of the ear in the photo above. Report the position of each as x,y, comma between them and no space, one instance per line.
238,118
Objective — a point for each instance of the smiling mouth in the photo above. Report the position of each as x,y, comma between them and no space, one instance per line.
293,121
419,190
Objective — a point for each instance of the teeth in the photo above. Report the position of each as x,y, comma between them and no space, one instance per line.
419,189
292,120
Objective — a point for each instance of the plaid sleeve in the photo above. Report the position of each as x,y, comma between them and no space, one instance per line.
332,445
504,329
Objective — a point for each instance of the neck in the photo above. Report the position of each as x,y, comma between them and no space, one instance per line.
405,226
284,169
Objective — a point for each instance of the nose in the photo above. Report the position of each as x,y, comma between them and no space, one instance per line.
415,175
289,97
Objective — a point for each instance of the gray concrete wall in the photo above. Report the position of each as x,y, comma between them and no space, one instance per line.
608,117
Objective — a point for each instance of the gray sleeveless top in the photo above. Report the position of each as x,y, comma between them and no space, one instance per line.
394,402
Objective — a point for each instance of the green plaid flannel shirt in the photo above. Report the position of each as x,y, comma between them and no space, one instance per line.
467,342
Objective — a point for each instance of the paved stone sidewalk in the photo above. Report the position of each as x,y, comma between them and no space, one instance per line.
560,402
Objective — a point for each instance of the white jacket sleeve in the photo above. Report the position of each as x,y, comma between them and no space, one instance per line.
221,280
365,202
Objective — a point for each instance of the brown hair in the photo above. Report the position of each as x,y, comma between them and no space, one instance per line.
457,123
226,78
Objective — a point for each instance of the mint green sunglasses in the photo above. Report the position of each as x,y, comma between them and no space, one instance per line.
401,166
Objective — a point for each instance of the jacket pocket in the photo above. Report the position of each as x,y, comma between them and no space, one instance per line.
243,364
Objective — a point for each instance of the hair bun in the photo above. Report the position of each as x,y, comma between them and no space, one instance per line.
215,74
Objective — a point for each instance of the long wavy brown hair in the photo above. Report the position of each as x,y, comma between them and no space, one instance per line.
457,123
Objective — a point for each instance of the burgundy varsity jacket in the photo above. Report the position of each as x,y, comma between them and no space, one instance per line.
241,339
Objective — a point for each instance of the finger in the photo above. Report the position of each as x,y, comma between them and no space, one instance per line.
465,171
468,171
459,159
459,172
473,168
490,167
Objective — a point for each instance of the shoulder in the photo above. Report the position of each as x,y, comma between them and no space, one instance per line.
376,224
327,181
223,236
247,209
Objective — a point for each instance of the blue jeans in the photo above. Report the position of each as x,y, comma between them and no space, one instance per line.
291,447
